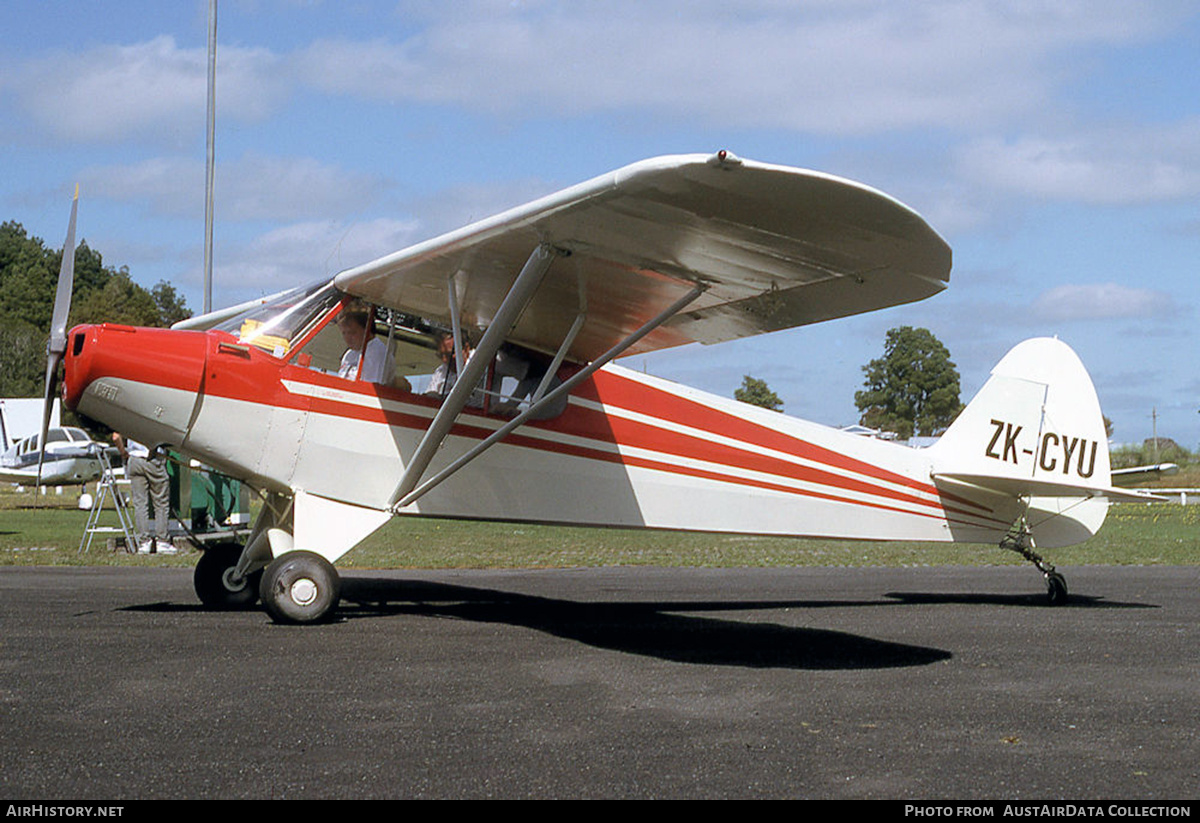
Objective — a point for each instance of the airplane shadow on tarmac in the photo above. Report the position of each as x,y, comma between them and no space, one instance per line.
665,630
669,630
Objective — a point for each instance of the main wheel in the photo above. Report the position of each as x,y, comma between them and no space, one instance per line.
214,583
1056,589
300,587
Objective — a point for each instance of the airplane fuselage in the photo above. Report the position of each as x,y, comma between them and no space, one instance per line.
629,450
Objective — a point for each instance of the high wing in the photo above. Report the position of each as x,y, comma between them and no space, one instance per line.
772,247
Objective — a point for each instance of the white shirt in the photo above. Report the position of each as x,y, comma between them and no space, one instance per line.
377,367
136,449
443,380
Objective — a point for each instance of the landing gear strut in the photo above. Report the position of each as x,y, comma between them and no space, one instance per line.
1020,540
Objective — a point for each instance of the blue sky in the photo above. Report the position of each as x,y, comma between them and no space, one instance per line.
1055,145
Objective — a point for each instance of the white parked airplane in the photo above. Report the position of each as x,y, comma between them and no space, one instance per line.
542,426
69,458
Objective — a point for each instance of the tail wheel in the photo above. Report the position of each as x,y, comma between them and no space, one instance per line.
1056,589
215,582
300,587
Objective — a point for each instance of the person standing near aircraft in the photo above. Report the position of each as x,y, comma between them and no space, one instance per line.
377,364
147,473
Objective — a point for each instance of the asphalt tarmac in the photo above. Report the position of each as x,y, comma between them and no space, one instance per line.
933,683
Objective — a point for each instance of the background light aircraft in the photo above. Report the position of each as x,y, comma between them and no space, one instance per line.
1143,474
540,425
69,459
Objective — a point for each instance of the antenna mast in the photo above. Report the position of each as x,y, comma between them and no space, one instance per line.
208,190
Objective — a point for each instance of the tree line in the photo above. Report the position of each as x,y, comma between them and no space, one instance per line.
101,294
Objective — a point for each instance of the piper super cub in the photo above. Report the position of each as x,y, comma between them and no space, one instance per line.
313,397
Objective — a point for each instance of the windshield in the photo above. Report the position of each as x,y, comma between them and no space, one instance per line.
277,325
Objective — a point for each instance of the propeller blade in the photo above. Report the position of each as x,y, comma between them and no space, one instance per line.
57,347
66,281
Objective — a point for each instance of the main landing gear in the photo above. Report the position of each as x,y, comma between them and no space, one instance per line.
1020,540
300,587
297,587
294,587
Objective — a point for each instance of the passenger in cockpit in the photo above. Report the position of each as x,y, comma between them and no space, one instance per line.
446,375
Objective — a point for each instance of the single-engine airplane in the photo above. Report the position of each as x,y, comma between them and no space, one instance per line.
69,459
539,425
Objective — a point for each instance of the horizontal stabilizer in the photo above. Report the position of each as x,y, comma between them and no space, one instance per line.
1029,487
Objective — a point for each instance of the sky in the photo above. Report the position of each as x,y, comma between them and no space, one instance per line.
1055,146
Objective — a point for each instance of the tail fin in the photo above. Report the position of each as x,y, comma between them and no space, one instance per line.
1035,432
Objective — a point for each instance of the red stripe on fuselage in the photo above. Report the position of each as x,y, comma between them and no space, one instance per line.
611,389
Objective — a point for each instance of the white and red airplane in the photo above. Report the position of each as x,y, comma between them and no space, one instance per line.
542,426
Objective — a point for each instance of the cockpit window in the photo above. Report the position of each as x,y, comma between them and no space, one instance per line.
298,326
277,326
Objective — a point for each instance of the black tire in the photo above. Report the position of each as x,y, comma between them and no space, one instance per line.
211,579
300,587
1056,589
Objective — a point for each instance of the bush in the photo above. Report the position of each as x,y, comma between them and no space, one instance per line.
1167,451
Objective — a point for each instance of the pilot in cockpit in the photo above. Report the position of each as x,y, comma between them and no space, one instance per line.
377,363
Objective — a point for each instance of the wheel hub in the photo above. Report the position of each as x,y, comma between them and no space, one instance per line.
303,591
232,581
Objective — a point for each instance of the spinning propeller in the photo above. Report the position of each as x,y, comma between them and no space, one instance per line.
57,347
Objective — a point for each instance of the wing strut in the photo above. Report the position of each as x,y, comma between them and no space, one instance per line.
469,375
401,499
455,323
572,333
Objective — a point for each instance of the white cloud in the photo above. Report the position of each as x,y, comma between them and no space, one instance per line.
825,68
252,187
1102,301
1106,166
829,68
153,89
167,185
260,186
305,252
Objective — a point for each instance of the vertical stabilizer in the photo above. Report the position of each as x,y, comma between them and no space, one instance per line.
1035,432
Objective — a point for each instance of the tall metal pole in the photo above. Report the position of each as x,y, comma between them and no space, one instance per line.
208,189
